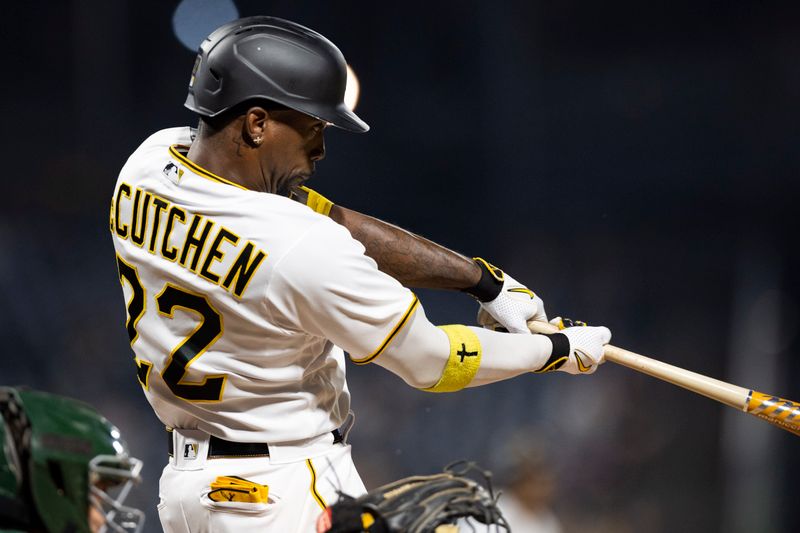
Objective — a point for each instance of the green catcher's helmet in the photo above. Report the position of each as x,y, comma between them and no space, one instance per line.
60,457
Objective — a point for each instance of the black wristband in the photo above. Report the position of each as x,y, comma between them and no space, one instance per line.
490,284
560,353
560,344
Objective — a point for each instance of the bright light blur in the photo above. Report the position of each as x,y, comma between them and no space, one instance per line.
193,20
352,90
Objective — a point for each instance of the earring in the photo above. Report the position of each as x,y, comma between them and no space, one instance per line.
257,140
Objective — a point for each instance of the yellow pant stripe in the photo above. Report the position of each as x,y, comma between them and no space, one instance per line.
314,492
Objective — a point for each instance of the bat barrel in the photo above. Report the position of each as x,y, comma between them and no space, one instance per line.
778,411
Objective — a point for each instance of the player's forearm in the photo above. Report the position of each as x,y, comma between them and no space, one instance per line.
507,355
412,260
422,352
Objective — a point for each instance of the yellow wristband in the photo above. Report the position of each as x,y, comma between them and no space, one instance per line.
464,360
317,202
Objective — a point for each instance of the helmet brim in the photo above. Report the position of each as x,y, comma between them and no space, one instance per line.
340,116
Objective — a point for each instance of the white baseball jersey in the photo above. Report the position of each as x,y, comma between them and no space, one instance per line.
240,302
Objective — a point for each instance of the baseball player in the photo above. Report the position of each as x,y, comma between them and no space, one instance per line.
241,302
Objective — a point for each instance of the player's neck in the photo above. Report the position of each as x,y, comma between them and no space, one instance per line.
237,163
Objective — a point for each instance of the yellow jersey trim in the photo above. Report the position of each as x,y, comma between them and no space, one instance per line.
314,492
197,169
400,324
464,360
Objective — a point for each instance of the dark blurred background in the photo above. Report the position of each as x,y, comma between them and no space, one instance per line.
635,163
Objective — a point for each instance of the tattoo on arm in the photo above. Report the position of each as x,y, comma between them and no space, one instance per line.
412,260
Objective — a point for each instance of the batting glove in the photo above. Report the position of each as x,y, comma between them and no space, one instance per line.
577,349
505,301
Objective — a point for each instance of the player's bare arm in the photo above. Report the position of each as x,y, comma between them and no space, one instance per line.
418,262
409,258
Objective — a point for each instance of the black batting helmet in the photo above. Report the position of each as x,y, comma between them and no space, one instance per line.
272,58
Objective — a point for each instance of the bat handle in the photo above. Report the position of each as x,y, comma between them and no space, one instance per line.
729,394
542,327
612,353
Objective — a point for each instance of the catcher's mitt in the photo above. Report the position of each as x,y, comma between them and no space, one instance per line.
417,504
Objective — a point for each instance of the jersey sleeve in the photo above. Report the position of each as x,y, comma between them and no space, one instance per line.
326,286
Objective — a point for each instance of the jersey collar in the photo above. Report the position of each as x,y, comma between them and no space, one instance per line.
197,169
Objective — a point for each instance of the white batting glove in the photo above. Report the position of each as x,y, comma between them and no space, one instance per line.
514,306
577,349
504,301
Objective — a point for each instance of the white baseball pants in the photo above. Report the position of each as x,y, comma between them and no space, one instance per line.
302,480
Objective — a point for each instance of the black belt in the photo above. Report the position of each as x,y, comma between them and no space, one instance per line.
218,447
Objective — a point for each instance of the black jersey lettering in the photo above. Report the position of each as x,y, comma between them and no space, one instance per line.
215,254
160,206
243,269
195,243
141,207
175,213
123,191
147,213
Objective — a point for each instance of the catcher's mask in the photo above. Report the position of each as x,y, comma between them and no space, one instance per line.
68,462
273,59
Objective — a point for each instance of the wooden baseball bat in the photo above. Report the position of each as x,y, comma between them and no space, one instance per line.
783,413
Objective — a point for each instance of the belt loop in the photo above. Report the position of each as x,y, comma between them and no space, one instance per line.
190,449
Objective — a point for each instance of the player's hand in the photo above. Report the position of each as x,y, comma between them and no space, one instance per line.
585,347
513,307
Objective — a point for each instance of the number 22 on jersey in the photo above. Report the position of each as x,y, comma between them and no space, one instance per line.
208,330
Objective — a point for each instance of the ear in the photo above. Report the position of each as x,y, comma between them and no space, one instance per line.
254,127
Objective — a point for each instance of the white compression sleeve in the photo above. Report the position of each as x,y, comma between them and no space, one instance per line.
419,353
